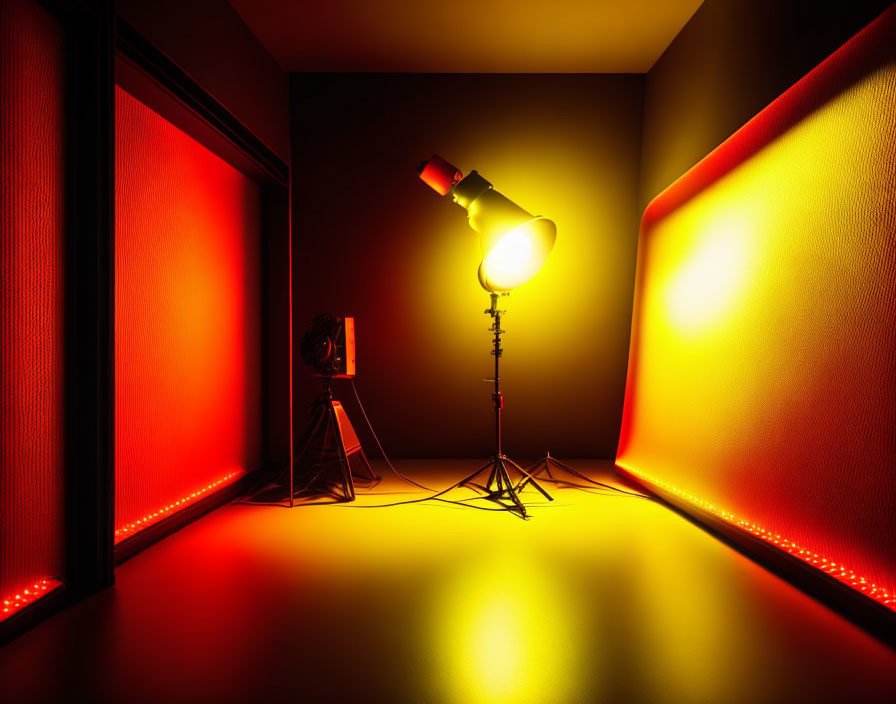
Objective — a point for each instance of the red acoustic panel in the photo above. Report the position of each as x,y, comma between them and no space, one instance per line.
762,373
187,383
31,190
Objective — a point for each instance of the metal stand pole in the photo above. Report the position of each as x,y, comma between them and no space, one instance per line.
499,487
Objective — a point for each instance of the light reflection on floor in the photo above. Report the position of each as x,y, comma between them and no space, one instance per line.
501,629
596,598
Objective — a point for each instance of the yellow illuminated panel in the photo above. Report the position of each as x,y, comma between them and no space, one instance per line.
761,376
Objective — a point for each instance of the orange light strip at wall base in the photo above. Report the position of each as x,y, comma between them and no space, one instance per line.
164,512
837,570
16,602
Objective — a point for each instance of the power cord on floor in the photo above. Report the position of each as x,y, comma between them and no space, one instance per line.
594,484
379,444
437,496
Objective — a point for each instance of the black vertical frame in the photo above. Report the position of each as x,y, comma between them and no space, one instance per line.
88,289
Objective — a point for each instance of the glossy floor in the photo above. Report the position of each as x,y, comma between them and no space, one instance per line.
597,598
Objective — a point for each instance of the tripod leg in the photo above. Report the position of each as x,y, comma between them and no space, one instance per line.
533,471
572,471
311,432
496,484
494,478
536,468
511,493
370,473
325,443
310,435
529,479
470,478
348,486
307,437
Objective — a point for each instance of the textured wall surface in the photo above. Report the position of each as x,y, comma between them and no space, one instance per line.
31,216
186,317
730,60
762,377
373,241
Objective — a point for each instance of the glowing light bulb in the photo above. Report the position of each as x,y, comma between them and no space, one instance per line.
513,260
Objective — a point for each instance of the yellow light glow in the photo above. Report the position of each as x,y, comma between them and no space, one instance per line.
761,372
507,634
711,272
831,567
582,293
478,607
511,262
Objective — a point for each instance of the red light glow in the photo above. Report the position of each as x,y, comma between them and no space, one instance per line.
32,217
15,602
187,330
153,517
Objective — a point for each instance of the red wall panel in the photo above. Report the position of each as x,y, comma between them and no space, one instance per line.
187,226
762,372
31,202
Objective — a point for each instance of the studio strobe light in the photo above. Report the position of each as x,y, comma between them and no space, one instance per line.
515,246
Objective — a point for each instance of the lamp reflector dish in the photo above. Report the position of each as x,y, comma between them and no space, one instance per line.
517,256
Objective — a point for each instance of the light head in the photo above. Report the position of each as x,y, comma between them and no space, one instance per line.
515,243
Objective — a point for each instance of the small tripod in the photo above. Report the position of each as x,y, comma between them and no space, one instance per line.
331,439
499,487
545,464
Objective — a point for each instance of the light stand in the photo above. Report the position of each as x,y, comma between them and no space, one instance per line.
515,245
499,487
331,438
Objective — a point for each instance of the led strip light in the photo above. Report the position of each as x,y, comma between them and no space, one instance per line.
836,569
149,519
41,588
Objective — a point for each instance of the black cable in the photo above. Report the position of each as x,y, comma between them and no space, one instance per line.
428,498
378,444
463,503
437,496
283,503
550,480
